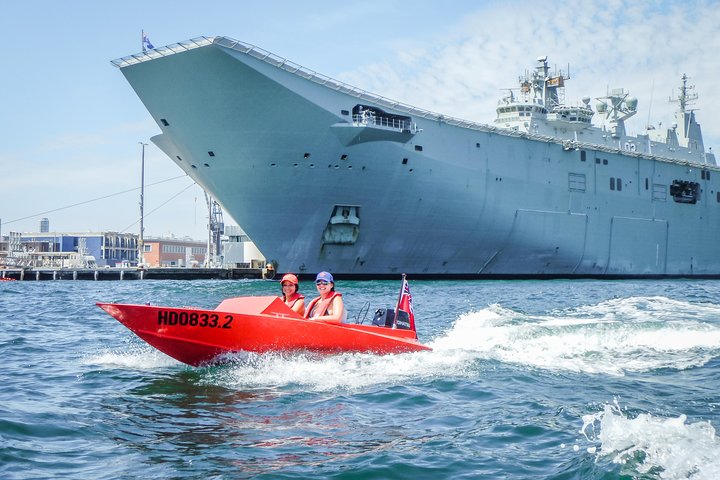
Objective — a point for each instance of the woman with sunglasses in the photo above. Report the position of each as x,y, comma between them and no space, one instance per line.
329,306
290,295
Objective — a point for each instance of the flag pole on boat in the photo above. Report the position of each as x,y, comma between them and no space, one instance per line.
397,307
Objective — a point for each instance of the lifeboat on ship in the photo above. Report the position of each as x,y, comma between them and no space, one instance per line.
258,324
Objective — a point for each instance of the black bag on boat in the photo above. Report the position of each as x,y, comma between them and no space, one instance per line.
384,317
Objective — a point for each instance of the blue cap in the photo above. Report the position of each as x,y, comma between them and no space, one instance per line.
325,277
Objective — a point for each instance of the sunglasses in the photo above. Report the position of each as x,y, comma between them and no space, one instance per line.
322,282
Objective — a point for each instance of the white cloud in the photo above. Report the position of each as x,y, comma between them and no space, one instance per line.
642,47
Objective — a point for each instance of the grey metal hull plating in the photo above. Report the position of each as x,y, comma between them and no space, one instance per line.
451,199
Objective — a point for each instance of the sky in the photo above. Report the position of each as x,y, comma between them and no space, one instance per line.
71,126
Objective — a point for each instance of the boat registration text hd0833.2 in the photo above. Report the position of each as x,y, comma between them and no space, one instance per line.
194,319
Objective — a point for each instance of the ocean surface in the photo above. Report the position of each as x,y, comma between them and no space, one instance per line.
526,380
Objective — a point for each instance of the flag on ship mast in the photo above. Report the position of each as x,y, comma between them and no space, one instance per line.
146,42
405,304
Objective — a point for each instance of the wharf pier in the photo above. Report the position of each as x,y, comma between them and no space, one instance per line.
164,273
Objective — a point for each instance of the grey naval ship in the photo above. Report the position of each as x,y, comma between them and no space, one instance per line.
325,176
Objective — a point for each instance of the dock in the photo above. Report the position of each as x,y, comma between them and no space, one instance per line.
164,273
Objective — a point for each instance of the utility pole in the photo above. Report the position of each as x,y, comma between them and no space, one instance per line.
141,243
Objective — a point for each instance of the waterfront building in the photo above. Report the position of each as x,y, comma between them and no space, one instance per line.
106,248
174,252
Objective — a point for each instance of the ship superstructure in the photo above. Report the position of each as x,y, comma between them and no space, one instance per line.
325,176
539,108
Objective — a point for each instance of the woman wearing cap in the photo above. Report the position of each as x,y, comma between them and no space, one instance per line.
329,306
290,295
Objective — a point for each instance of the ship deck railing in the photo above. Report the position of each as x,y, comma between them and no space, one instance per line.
387,123
294,68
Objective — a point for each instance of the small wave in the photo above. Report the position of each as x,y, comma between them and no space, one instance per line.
669,447
646,308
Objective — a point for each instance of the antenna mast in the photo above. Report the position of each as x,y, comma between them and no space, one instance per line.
141,242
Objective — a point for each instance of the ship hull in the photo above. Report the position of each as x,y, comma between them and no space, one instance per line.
280,152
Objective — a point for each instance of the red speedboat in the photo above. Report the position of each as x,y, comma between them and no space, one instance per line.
253,324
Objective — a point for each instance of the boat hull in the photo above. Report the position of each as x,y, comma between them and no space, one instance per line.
251,324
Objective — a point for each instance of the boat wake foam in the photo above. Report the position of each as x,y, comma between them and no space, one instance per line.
615,337
667,447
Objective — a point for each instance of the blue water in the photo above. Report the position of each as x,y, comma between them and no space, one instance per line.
527,379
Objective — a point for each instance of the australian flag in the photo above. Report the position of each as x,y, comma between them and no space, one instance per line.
405,303
146,42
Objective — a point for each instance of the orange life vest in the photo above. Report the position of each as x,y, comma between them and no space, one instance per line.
293,299
321,305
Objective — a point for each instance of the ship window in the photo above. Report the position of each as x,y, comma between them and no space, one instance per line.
477,145
612,183
193,166
344,112
206,164
404,161
164,122
646,183
707,175
307,155
212,154
605,162
718,197
582,155
418,148
618,181
178,157
597,160
343,157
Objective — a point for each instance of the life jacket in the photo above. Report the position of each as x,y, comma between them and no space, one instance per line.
293,299
321,305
